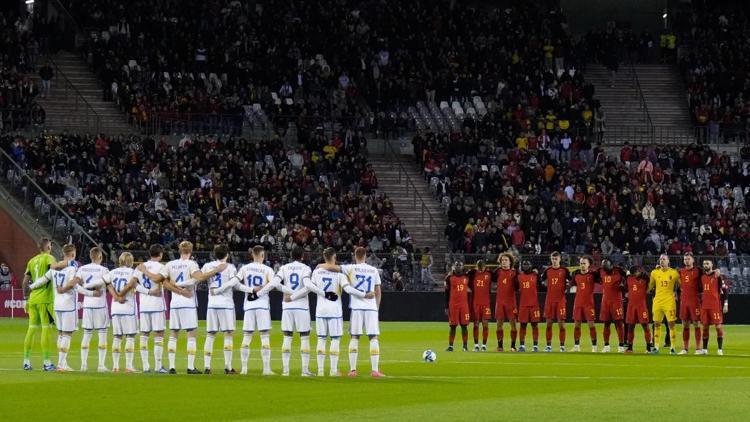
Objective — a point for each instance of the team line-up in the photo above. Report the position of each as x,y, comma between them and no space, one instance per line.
703,300
56,286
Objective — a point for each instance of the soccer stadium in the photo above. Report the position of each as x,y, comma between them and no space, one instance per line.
437,209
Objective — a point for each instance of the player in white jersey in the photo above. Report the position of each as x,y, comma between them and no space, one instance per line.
95,314
257,309
364,311
180,276
120,284
151,312
295,314
329,317
220,315
66,303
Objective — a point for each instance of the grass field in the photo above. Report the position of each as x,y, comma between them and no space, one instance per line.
459,386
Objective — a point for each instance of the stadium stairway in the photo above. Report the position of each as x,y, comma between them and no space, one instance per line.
666,99
620,103
65,110
399,178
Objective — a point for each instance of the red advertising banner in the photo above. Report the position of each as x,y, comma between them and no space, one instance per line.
13,305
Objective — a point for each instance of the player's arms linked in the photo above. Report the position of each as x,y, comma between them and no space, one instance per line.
87,292
41,281
128,287
201,276
155,277
334,268
59,265
169,285
116,297
233,282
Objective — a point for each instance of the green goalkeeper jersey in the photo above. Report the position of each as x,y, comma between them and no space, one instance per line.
36,268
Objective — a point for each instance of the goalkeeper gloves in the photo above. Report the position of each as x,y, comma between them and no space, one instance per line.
332,296
252,296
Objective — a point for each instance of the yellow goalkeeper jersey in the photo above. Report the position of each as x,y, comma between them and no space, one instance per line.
664,282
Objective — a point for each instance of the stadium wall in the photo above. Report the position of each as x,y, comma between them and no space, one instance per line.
396,306
15,244
584,15
430,306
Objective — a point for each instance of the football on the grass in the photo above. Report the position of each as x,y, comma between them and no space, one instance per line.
429,356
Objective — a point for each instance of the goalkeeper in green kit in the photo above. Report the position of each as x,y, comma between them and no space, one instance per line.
39,304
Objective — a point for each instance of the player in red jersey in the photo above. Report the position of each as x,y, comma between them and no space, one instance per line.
457,289
583,307
481,282
713,304
555,280
637,313
611,309
505,300
690,304
528,307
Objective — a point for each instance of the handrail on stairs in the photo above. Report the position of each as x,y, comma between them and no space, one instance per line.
32,189
434,228
95,123
642,102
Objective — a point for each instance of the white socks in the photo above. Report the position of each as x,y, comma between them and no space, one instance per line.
353,353
245,350
208,348
265,351
305,352
228,350
286,353
102,348
191,348
172,351
321,349
116,353
158,352
129,350
333,353
63,347
144,352
374,354
85,342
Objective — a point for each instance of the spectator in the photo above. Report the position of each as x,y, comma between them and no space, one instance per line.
7,279
46,74
425,262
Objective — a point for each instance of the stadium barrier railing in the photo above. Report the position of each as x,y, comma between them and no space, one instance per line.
38,209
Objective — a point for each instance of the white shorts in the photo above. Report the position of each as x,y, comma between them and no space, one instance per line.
329,327
152,321
295,320
67,322
183,319
220,320
366,319
124,325
95,319
256,319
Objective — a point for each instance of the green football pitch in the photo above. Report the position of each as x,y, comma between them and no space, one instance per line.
459,386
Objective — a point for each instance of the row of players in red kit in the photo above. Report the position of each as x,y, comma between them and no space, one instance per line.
468,299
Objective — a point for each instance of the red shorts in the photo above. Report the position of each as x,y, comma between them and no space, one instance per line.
637,314
458,314
529,314
711,316
611,310
690,310
481,312
584,313
555,310
505,312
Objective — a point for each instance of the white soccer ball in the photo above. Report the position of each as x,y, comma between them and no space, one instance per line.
429,356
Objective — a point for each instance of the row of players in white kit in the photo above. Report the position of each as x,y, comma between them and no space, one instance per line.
296,280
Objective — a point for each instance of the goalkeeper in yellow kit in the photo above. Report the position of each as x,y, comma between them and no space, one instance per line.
663,281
